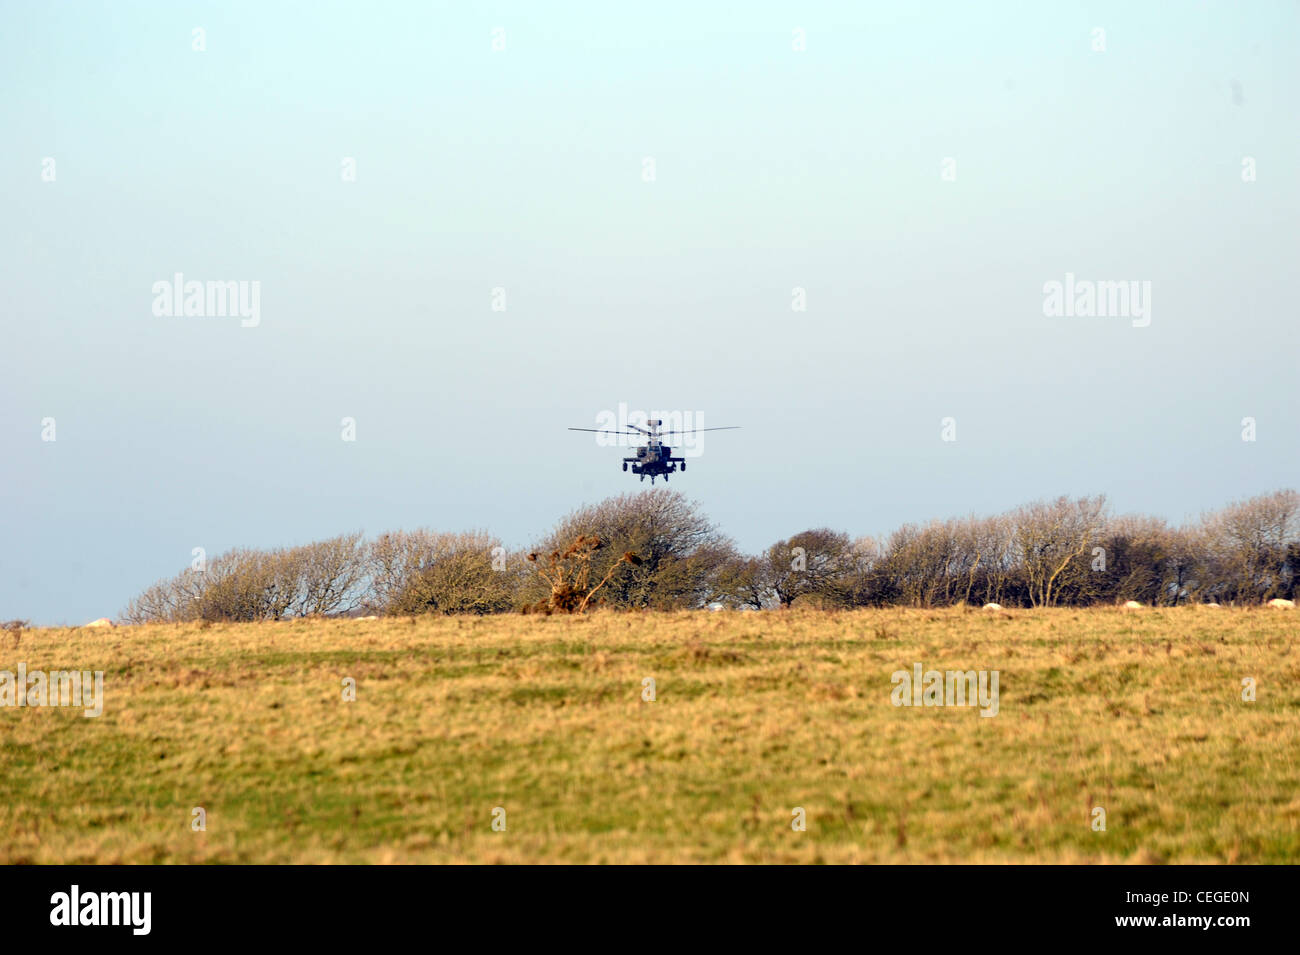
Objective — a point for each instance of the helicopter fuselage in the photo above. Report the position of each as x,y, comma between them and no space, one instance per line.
654,460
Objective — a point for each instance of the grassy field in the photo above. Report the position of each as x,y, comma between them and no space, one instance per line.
1138,712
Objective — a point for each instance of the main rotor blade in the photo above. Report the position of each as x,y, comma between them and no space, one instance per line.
735,427
598,431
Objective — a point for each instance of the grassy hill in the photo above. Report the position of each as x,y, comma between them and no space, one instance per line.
755,715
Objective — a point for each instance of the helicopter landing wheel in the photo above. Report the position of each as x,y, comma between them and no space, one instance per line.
624,465
683,467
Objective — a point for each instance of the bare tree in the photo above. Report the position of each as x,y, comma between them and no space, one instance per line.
423,571
812,562
1052,536
331,575
1250,543
683,555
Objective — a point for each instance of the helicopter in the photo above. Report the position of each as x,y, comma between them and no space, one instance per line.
654,458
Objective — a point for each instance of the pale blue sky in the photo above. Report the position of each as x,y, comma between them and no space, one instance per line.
522,169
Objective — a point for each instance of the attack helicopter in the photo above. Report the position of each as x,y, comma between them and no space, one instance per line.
654,459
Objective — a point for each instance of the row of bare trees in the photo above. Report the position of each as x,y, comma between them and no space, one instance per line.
322,578
401,572
1065,552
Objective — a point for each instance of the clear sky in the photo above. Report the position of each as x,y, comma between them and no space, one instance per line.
522,169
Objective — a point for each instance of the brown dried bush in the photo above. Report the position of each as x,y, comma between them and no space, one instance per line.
568,573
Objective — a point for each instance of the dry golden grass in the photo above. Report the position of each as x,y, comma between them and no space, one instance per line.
756,714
